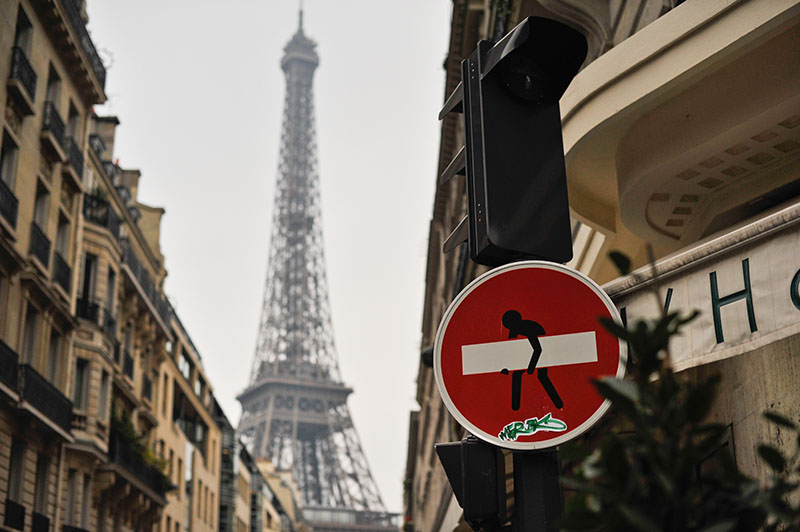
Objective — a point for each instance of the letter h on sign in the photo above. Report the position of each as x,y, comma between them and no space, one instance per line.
717,303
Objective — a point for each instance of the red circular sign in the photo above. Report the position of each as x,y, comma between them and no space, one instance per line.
518,349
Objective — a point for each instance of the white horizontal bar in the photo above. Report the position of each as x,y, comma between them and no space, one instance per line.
557,350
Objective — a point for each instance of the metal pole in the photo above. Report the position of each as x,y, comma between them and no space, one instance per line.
537,494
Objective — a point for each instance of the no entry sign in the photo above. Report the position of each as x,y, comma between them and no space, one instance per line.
517,351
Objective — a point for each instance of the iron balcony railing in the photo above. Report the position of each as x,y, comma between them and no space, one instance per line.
9,361
74,156
52,122
74,16
40,523
98,211
127,365
15,515
40,245
22,70
62,273
9,204
45,397
70,528
121,452
88,309
97,144
148,286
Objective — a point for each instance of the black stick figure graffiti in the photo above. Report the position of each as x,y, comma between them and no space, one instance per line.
512,320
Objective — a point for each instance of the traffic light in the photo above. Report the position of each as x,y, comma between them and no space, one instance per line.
476,471
513,156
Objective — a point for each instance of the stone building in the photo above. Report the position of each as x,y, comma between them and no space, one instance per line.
680,132
106,413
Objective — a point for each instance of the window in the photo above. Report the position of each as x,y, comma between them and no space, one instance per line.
62,236
80,390
85,500
53,86
40,208
8,161
185,366
111,285
164,395
169,524
199,498
171,460
102,407
40,486
180,475
73,124
24,32
16,470
53,356
89,275
72,489
29,334
199,387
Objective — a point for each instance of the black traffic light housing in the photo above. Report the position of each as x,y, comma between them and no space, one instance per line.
476,471
513,156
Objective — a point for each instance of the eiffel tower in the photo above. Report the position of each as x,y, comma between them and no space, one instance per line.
294,410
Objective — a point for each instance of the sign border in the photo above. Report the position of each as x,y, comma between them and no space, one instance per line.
437,356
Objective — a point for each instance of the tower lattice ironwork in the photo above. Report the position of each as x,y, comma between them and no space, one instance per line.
294,410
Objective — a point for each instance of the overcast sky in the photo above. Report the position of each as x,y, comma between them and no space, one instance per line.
199,92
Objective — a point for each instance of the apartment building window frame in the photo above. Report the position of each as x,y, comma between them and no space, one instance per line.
41,206
103,399
53,94
73,125
30,333
9,159
86,491
185,365
63,233
41,488
23,31
55,350
89,277
165,395
80,385
16,470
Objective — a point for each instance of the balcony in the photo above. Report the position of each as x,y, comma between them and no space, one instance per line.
88,310
122,453
53,133
15,515
97,211
8,366
40,246
127,365
62,273
22,81
44,397
74,166
9,205
145,283
74,16
41,523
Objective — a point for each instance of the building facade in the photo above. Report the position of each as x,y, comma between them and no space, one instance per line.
682,150
106,413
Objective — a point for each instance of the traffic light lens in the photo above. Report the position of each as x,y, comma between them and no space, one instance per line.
525,79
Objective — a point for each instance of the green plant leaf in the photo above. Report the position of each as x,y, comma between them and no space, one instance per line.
772,456
621,261
779,419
